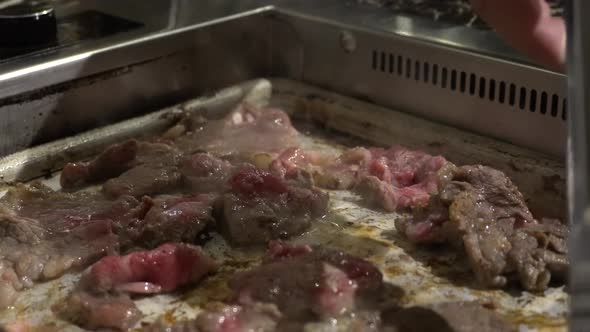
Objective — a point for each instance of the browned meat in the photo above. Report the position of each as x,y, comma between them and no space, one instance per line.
163,269
115,160
43,234
155,170
116,312
143,180
399,178
394,179
489,218
172,219
205,173
262,207
327,283
446,317
363,321
259,317
246,130
256,317
101,300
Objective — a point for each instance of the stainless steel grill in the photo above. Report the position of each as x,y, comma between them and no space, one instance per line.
506,112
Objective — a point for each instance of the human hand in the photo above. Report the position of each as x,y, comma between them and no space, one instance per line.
527,25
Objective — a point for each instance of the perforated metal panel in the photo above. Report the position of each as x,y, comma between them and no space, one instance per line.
514,102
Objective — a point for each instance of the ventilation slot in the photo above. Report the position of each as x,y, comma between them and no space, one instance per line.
502,95
426,72
473,84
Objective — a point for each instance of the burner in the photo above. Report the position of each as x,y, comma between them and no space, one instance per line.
30,30
456,12
27,24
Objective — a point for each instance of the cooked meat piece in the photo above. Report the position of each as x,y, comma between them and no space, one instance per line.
364,273
399,178
262,207
115,160
364,321
327,283
426,225
259,317
163,269
155,170
44,234
117,312
162,326
99,301
56,211
394,179
302,167
316,289
489,218
246,130
205,173
344,171
143,180
446,317
279,250
172,219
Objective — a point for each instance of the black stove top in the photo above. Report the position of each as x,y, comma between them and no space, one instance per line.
457,12
34,29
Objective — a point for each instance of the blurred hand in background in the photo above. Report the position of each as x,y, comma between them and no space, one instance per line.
527,25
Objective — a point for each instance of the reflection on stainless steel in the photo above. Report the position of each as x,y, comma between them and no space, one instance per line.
151,65
457,12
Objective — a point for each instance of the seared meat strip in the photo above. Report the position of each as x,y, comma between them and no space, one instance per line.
256,317
246,130
262,207
489,218
393,179
101,299
327,283
114,312
445,317
115,160
160,270
155,170
43,234
171,219
205,173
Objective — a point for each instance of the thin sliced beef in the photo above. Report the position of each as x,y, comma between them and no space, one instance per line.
246,130
327,283
399,178
302,167
368,277
115,160
57,212
317,289
262,207
205,173
446,317
172,219
259,317
363,321
163,269
488,217
394,179
114,312
155,170
101,299
44,234
256,317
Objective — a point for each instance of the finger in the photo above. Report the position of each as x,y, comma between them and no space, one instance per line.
528,26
